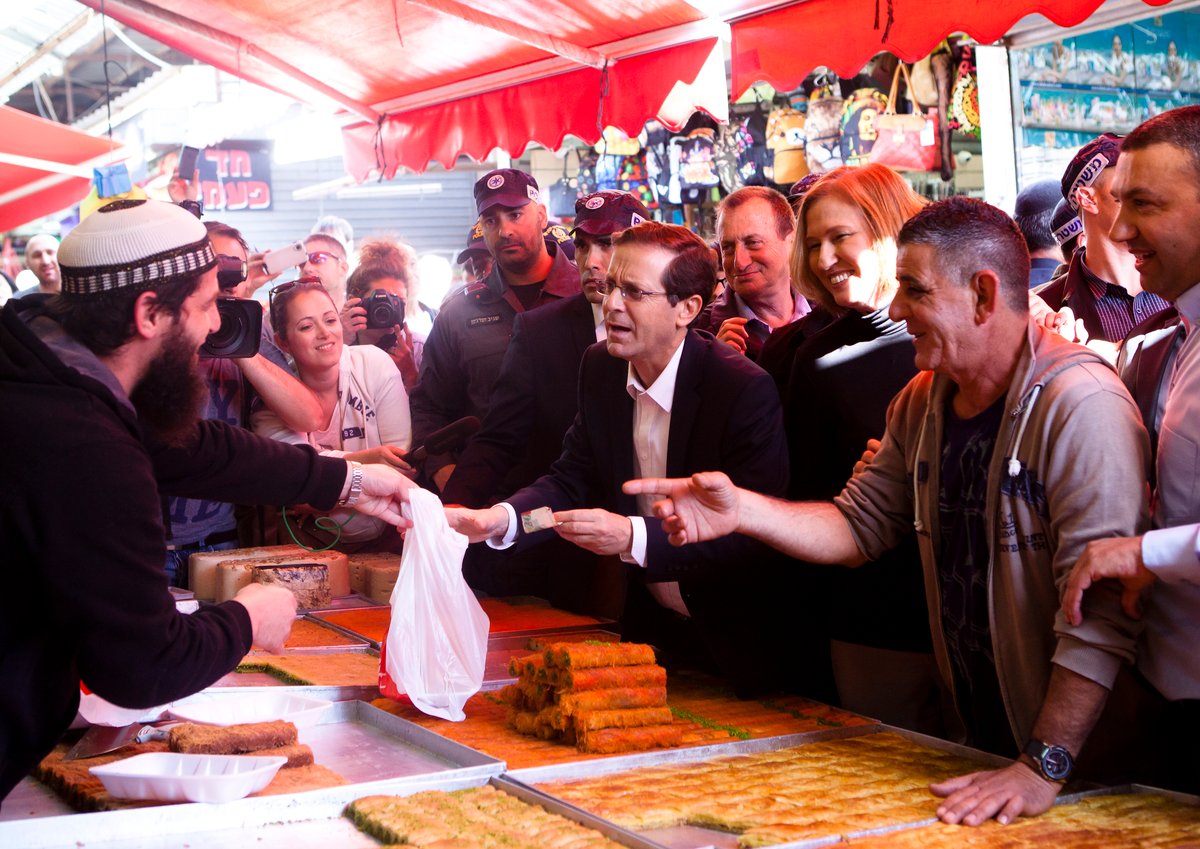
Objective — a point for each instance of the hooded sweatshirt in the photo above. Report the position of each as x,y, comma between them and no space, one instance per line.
1069,467
85,594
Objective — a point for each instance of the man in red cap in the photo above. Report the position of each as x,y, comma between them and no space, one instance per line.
466,346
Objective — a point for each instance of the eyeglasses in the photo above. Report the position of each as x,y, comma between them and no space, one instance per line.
309,282
633,293
321,257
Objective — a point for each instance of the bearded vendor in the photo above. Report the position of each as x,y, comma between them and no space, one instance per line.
101,401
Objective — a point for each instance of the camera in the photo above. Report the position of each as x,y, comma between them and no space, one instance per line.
240,331
231,271
384,310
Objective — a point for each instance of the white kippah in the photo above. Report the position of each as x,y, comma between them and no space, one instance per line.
133,243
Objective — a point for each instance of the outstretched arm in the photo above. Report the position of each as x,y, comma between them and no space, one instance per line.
708,506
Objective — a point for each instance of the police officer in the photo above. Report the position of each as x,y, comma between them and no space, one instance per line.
466,346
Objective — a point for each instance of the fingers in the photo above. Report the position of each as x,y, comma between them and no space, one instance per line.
1072,604
649,486
1131,602
952,785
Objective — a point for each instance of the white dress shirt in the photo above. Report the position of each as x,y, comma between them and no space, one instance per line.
1168,655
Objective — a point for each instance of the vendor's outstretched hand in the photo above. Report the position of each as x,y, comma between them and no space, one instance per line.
695,509
272,611
384,490
1119,558
595,530
1016,790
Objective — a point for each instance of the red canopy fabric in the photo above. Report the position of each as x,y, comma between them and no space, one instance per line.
28,193
542,111
782,46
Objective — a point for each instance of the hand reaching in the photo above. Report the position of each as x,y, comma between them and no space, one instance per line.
702,507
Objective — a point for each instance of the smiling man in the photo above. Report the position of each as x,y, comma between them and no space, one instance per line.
466,346
660,398
108,372
755,228
981,456
1156,184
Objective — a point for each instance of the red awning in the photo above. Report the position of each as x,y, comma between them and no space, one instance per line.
35,154
542,111
782,46
445,77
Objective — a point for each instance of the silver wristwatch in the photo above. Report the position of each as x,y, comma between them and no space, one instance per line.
355,491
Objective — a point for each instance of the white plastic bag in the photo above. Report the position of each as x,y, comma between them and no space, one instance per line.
437,642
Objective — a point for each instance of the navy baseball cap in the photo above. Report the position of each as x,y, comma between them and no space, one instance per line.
1065,224
1089,163
607,212
475,244
800,188
504,187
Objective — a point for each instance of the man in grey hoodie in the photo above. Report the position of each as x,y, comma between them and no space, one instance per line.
1007,453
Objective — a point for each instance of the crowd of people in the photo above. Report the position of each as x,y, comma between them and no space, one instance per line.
1010,471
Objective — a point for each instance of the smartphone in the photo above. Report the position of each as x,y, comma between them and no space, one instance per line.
279,259
187,161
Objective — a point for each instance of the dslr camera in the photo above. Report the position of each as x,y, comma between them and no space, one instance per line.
241,318
384,310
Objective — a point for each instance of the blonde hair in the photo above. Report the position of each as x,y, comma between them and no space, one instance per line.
885,200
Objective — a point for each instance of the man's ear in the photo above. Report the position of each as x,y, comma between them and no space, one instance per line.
687,310
986,286
150,319
542,219
1086,197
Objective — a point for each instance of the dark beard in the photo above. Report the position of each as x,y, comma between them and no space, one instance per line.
170,396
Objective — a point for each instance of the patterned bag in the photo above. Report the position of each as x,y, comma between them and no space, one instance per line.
787,138
859,114
698,163
964,101
824,130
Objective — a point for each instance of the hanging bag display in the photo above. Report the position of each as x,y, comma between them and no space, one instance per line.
823,129
859,130
698,163
906,142
564,192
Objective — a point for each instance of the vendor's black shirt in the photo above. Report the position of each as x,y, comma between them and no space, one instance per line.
963,574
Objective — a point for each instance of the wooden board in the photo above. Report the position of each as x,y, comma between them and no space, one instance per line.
506,614
710,714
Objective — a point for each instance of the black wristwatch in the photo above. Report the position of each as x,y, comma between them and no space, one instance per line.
1053,762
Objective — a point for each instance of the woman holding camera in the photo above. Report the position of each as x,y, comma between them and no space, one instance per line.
364,405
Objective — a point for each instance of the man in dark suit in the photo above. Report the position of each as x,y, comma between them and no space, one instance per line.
658,396
532,405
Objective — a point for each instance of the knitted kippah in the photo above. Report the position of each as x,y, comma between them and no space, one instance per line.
133,243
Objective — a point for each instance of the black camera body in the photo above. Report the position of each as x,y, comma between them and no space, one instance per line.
240,332
384,310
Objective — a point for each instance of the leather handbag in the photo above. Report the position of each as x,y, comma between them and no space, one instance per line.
906,142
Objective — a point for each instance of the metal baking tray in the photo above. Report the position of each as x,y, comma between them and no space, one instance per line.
376,751
335,830
695,837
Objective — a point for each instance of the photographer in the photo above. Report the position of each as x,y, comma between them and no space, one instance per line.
364,407
375,314
234,385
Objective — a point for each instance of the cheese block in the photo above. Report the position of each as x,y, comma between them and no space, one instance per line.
308,582
232,575
358,569
202,566
381,580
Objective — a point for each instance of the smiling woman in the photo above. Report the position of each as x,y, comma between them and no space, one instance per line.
844,256
363,403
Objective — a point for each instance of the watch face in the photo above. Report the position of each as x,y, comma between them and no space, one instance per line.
1056,763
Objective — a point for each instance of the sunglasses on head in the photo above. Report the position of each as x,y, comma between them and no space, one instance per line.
321,257
283,288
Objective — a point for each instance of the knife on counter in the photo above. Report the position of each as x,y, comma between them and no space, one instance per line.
102,739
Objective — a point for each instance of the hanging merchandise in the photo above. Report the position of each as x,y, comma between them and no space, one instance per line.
697,162
824,130
564,192
787,138
585,181
625,174
757,161
906,142
617,143
964,101
658,160
943,69
731,142
924,89
859,114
